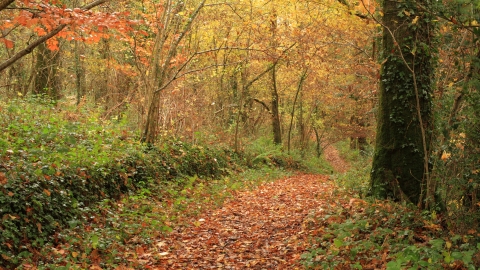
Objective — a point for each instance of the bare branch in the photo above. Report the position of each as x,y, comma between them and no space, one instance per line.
269,68
263,104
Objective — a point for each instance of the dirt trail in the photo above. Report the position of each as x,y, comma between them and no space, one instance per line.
333,157
267,228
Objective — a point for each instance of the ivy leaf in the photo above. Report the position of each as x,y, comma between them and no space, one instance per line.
94,240
393,265
337,242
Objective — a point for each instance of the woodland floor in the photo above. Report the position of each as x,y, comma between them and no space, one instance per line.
266,228
336,161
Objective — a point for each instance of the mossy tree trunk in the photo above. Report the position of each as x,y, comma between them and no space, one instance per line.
47,78
471,155
400,165
276,125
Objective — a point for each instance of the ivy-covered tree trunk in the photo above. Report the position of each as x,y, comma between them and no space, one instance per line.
400,165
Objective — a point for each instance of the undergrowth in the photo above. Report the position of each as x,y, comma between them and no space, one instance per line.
357,178
262,151
76,190
384,234
377,235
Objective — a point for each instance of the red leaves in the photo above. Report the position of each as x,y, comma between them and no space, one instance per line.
42,17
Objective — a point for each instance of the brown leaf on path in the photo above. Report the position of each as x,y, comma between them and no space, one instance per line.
140,251
95,257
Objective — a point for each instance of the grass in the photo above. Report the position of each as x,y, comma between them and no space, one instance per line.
357,178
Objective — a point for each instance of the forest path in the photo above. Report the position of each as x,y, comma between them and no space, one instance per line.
336,161
266,228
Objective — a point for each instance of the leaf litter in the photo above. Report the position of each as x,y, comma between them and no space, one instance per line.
266,228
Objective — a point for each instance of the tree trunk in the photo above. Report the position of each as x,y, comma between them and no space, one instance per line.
80,81
400,165
151,127
161,72
276,125
292,115
47,80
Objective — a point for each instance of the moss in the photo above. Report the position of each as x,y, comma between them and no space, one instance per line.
399,154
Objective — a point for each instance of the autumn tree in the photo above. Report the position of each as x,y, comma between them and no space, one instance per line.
41,27
29,19
173,26
401,166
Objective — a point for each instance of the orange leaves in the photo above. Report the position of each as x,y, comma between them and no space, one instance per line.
42,17
40,31
264,228
47,192
8,43
3,178
445,156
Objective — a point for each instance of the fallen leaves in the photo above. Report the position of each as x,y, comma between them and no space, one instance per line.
333,157
266,228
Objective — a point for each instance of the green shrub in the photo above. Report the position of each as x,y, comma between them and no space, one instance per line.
55,164
357,178
387,234
263,151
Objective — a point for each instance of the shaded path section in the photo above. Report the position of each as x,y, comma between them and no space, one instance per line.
333,157
266,228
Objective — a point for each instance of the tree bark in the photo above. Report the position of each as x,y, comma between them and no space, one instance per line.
400,164
47,81
4,4
276,125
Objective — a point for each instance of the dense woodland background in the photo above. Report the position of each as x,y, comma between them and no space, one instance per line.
229,74
214,69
